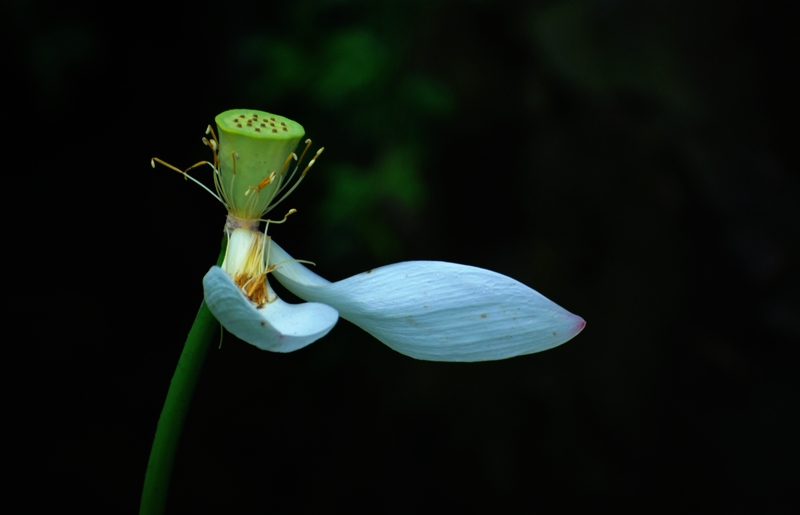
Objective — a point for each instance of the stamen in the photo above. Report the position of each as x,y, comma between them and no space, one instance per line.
267,221
186,175
213,136
308,145
157,160
212,144
286,163
297,182
291,176
311,163
273,266
267,243
201,163
254,288
266,181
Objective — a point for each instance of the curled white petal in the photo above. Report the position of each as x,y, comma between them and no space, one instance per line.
277,326
439,311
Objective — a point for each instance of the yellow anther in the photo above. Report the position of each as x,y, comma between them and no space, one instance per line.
266,181
286,163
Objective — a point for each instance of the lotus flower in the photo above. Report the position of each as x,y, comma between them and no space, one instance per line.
428,310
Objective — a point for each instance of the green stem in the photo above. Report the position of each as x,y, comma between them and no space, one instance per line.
176,406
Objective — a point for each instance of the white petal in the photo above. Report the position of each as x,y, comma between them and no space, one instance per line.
277,326
439,311
291,269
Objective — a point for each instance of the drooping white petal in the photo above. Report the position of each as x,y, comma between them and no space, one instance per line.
438,311
277,326
292,270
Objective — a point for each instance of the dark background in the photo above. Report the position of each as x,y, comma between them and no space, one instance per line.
636,162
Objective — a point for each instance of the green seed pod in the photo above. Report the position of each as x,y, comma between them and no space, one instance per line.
254,155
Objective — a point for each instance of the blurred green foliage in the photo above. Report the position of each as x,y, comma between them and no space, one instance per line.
377,113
